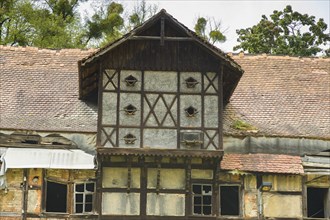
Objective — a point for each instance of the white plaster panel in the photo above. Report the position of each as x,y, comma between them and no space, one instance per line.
125,73
284,182
211,107
109,108
125,100
34,201
120,203
160,138
160,110
123,132
106,131
186,75
187,101
160,81
114,78
208,80
115,177
169,178
211,134
201,174
165,204
282,206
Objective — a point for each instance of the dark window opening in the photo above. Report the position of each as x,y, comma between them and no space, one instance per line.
316,202
84,193
202,199
56,197
229,200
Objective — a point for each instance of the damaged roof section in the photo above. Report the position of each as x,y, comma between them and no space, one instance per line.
23,139
264,163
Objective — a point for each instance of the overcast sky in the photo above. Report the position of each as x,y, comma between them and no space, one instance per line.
235,14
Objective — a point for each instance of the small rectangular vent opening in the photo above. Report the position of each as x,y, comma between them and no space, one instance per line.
191,139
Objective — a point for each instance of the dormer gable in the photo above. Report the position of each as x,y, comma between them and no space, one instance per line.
160,43
159,87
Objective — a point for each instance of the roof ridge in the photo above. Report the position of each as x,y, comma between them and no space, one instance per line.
265,55
51,50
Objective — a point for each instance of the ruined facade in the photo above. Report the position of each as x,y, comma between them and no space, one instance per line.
162,125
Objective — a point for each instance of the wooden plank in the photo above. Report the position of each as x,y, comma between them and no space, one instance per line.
160,38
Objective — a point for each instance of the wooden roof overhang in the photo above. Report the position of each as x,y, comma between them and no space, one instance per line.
105,152
148,41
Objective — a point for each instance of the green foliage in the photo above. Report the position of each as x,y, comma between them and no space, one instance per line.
287,32
210,30
105,24
57,24
141,12
48,23
242,125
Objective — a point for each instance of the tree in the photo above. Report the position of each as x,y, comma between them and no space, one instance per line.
141,12
287,32
210,30
105,25
46,23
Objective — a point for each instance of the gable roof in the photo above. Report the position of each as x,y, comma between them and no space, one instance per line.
39,90
278,95
266,163
162,14
282,96
159,44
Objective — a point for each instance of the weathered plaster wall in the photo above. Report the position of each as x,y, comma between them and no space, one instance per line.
11,199
157,96
283,201
166,204
282,206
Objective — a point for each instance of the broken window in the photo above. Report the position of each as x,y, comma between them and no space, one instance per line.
229,200
317,202
84,193
202,199
56,197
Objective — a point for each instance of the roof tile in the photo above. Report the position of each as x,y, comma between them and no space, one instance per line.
266,163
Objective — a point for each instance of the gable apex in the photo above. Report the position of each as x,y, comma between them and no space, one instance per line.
185,35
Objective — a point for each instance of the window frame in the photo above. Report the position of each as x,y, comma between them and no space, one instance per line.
239,198
84,193
46,195
211,205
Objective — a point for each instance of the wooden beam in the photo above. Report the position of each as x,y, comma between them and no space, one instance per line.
160,38
162,31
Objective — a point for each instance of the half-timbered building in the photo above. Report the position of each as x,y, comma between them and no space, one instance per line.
160,124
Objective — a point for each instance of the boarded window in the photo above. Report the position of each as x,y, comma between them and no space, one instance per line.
229,200
202,199
83,198
317,202
56,197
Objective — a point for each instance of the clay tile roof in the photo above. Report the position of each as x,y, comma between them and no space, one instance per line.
282,96
39,90
266,163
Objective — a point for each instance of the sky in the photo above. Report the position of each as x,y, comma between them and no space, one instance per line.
234,14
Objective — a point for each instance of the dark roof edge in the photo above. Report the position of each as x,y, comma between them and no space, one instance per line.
49,131
216,51
158,152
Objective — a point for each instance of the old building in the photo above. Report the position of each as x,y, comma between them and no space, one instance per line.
162,125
